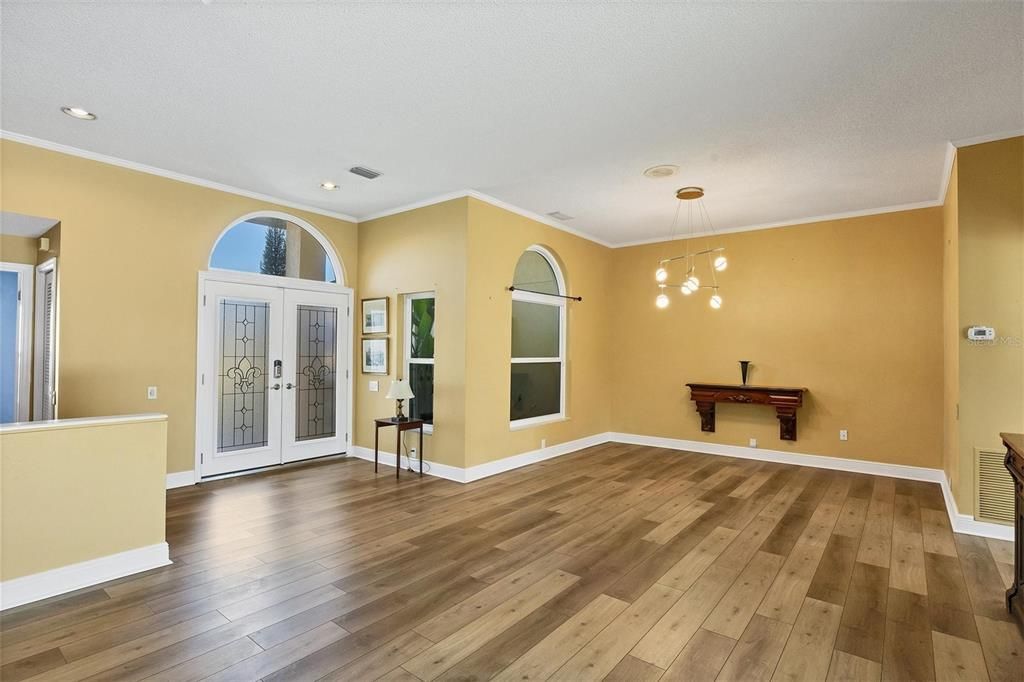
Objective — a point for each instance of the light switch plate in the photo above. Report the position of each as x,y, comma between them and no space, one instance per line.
753,442
151,393
374,386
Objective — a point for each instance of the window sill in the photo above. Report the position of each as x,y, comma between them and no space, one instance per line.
520,424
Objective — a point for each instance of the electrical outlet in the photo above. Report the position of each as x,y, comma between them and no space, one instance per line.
151,393
543,443
374,386
843,434
753,442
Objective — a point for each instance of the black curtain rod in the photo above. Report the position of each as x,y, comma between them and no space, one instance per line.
544,293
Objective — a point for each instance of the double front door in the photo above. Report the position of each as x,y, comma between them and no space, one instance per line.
273,376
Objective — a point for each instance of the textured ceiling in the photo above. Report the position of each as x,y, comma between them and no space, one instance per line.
783,111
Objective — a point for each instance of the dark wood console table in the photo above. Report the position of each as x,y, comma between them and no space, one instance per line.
1014,461
407,424
784,400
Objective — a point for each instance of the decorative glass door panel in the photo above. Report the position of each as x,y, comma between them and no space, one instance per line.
314,402
273,376
245,396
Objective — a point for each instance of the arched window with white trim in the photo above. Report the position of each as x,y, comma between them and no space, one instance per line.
271,243
538,340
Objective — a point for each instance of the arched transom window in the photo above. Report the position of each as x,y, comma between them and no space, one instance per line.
275,244
538,340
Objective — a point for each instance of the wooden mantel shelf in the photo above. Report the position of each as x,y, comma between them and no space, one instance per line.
784,400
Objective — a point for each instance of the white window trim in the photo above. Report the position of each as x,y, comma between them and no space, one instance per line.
560,303
23,362
407,341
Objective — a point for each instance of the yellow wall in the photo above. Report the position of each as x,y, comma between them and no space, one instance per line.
991,292
497,238
415,251
849,309
18,249
951,330
131,247
80,492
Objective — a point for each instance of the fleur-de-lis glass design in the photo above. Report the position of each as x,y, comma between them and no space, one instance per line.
316,372
244,374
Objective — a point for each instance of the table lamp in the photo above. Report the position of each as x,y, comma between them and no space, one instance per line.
399,391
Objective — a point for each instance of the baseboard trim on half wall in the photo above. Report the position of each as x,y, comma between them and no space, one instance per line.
30,588
180,479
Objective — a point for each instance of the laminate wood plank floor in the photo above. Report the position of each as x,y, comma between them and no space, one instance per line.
613,563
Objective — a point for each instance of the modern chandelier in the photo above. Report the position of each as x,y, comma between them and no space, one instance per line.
716,262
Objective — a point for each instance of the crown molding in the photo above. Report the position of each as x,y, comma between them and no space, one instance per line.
170,175
493,201
789,223
951,147
982,139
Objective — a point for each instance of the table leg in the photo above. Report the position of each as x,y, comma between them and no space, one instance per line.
376,445
398,453
421,450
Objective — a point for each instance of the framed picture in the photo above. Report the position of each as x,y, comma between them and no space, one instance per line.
375,356
375,315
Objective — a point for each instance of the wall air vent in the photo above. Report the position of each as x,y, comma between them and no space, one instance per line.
367,173
993,488
558,215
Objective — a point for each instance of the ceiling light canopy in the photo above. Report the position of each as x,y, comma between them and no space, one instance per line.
79,113
664,170
716,262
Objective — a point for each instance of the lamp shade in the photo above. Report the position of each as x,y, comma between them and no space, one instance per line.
399,390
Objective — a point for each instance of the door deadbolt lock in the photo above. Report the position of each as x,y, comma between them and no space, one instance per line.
277,369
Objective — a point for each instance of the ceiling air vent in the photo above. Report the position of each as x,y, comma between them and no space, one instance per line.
367,173
558,215
994,488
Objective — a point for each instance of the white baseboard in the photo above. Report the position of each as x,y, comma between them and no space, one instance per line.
799,459
50,583
967,524
962,523
180,479
446,471
475,473
499,466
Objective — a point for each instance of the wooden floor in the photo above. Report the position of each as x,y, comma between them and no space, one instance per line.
617,563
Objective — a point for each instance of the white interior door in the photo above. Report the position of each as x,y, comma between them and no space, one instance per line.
274,376
314,411
244,325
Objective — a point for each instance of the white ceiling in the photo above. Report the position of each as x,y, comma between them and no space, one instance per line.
20,225
783,111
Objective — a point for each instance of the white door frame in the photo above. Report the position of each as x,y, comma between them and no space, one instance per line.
26,279
204,345
47,266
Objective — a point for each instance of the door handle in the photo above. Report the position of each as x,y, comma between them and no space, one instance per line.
289,386
276,387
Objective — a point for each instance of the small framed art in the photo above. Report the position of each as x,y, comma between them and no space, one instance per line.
375,356
375,315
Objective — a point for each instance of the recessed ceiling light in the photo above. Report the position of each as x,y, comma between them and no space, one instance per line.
80,113
663,171
329,186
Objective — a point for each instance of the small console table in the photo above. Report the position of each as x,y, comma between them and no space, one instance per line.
1014,461
784,400
408,424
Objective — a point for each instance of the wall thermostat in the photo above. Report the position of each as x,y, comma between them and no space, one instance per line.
978,333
